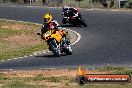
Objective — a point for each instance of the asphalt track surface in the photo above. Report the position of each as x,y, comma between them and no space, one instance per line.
106,41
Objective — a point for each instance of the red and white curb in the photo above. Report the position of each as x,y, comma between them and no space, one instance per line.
43,51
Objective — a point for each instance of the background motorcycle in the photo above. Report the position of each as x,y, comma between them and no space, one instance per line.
68,18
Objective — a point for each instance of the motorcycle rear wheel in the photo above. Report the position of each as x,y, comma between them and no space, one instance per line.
64,21
83,23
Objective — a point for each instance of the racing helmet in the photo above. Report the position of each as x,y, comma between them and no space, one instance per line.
47,18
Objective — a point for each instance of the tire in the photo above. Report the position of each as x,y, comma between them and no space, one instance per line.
64,21
55,49
68,50
66,44
83,23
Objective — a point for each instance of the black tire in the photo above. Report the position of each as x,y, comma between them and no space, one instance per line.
68,50
83,23
64,21
55,49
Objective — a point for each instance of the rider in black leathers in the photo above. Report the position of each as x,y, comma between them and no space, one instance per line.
68,12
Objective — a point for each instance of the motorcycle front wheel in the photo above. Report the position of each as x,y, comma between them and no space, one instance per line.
67,47
68,50
55,48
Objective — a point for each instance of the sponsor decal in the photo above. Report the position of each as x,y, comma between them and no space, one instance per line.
83,78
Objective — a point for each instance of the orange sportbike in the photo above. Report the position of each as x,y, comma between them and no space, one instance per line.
58,42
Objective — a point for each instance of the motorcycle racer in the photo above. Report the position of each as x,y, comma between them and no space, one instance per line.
72,16
50,24
70,10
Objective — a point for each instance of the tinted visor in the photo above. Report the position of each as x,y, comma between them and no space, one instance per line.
46,19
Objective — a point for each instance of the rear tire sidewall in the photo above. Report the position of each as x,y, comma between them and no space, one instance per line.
83,22
64,21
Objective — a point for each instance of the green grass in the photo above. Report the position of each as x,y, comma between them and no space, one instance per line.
32,82
18,84
4,33
117,70
125,71
49,79
22,51
40,77
53,78
2,76
9,49
111,68
67,82
106,86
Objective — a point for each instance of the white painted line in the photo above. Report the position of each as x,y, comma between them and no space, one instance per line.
40,53
20,57
30,55
78,38
10,69
2,60
25,56
9,59
30,6
44,52
15,58
35,54
49,51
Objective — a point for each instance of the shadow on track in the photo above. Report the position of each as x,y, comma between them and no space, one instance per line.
66,25
50,56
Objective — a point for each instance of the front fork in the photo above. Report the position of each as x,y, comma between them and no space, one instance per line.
55,44
65,41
